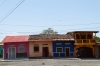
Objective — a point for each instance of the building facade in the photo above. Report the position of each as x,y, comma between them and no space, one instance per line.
63,48
40,46
84,43
16,47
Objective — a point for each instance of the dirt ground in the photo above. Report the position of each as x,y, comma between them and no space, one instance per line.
51,62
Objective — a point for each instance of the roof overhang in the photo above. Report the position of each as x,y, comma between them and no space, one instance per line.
84,31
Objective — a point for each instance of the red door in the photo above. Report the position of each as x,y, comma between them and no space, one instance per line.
45,52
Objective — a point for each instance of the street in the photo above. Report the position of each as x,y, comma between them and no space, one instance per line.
51,62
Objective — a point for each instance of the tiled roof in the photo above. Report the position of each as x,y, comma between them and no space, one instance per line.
15,39
51,37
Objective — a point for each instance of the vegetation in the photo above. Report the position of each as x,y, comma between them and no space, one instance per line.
97,38
49,31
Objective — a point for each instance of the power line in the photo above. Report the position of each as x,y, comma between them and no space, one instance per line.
12,10
59,31
51,25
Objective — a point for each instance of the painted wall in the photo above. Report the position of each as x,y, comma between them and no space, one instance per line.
62,54
39,54
1,51
7,45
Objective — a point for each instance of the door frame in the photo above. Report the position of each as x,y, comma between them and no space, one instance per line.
65,51
8,51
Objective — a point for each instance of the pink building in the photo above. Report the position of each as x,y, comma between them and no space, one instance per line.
16,47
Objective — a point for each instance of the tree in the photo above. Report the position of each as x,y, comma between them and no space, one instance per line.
49,31
97,38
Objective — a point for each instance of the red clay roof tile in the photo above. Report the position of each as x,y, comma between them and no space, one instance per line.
15,39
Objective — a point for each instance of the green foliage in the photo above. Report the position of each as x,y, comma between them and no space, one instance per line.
49,31
97,38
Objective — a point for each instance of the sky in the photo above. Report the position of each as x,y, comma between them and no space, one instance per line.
34,16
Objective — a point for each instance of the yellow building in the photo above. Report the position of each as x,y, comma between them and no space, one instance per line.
84,43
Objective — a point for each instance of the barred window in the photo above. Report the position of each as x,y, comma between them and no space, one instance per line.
21,48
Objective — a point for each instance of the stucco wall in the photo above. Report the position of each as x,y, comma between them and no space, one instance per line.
39,54
7,45
63,46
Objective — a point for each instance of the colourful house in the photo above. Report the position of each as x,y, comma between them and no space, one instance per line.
63,46
16,47
40,46
84,43
45,45
1,49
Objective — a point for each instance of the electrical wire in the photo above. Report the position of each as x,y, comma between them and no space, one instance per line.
12,10
40,31
51,25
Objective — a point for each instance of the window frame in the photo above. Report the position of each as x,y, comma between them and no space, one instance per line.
89,37
59,47
36,45
78,36
20,46
83,36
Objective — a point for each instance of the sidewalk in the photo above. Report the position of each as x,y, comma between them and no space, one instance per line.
17,59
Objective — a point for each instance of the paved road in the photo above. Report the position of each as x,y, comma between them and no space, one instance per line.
52,62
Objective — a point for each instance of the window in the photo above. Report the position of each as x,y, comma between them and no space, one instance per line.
67,43
89,36
59,49
58,43
45,44
21,48
83,36
36,47
77,36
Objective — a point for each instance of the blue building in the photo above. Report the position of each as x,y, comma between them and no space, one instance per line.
63,47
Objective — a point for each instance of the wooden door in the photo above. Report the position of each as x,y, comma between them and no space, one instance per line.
45,52
67,50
